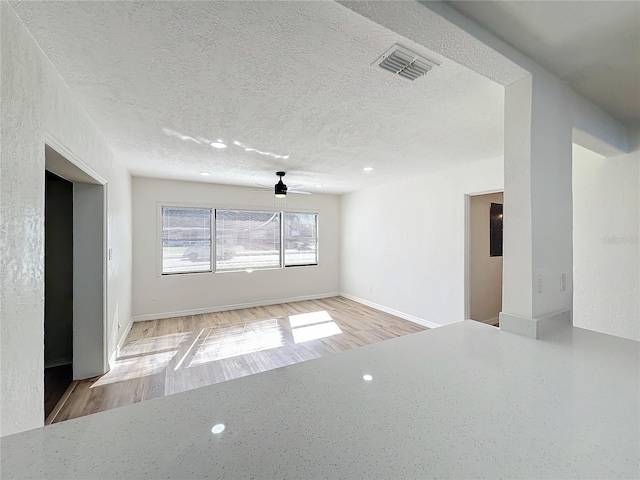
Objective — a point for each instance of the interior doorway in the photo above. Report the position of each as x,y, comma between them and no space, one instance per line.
75,276
58,289
484,257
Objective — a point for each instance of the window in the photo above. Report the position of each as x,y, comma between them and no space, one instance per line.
247,240
186,240
300,239
244,240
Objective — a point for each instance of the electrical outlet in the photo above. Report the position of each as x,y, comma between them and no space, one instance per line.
110,254
539,283
370,288
563,282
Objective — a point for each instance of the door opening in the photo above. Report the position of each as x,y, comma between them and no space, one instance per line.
58,289
484,257
75,276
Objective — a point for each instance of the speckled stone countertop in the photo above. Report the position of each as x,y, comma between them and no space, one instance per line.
460,401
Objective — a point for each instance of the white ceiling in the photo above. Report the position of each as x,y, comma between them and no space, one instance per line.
294,79
593,45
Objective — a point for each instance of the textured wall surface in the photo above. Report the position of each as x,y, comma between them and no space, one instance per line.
35,102
175,294
403,244
606,249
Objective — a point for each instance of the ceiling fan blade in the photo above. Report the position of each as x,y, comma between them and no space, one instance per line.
259,190
296,187
265,186
299,192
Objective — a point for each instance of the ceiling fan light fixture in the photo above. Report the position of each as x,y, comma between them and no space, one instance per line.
280,187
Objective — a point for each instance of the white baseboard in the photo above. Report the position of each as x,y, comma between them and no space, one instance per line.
534,327
222,308
406,316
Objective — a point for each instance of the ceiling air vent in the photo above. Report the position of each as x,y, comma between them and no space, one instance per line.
404,63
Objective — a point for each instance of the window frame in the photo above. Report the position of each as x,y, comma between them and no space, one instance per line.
160,256
212,208
284,260
253,269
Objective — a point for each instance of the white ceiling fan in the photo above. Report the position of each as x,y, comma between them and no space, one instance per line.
280,189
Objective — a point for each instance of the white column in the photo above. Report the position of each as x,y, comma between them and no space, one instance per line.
538,246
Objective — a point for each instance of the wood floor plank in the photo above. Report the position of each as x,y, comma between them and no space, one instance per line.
163,357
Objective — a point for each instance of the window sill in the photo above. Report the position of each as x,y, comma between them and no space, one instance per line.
173,274
243,270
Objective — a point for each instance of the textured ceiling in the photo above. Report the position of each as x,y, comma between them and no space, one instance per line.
291,83
593,45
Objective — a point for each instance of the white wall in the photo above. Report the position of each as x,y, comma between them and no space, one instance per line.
119,240
192,293
403,244
606,252
485,271
542,117
36,102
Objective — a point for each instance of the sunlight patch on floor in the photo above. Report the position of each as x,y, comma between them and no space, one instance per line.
314,332
130,368
312,326
238,340
146,346
310,318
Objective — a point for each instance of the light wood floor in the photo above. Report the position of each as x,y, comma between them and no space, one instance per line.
162,357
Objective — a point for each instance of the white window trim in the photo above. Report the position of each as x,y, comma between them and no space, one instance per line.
159,270
253,269
213,208
284,261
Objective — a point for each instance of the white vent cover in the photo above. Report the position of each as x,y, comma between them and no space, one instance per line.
404,63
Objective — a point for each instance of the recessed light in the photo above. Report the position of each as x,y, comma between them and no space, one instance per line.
367,378
318,186
368,169
218,428
205,174
249,270
218,145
